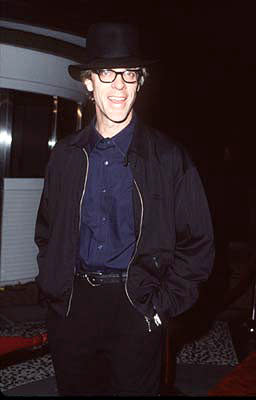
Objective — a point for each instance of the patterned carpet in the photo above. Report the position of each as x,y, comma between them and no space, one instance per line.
215,348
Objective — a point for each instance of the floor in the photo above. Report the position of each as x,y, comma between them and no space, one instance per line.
200,364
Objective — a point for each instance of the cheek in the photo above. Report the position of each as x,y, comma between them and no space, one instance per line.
98,97
133,95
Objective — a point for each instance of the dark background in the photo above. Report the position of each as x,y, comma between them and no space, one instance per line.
203,86
202,91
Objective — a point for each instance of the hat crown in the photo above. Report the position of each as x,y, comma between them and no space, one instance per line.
111,45
112,40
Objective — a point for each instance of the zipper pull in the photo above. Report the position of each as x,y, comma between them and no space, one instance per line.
155,261
157,320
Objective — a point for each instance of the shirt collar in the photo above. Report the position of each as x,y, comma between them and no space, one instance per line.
121,140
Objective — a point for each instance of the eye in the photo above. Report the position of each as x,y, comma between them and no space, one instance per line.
106,72
131,74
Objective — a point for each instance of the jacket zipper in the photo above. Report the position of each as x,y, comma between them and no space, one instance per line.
136,247
148,323
80,207
155,261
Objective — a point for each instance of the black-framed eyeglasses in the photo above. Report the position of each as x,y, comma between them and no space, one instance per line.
109,75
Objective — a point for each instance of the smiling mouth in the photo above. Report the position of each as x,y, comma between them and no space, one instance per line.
116,99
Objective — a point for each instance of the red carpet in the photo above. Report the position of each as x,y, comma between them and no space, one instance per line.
241,381
12,343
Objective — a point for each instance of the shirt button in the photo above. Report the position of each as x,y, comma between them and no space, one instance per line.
104,190
106,162
104,219
100,246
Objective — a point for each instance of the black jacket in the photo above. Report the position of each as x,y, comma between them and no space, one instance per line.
175,245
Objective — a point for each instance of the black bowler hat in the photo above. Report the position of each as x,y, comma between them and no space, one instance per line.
111,45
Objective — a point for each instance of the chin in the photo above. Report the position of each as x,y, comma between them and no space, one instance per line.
119,117
118,120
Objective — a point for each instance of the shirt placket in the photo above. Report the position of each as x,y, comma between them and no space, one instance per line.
104,204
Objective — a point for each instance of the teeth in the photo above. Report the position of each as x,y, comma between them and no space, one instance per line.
117,98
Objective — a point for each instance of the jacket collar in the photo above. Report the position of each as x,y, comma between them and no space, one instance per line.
140,141
139,145
80,138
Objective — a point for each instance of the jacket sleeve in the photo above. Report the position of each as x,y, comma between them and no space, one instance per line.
42,221
194,249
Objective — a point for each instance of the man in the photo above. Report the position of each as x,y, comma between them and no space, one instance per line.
123,230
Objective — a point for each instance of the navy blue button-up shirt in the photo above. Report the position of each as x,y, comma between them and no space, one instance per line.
107,237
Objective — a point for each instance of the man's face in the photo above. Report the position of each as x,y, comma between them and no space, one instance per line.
113,101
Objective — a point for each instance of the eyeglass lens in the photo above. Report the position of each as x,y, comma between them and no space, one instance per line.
108,75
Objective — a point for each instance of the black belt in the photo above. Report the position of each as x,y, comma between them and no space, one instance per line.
97,278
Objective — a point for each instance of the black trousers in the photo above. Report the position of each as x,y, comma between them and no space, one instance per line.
104,347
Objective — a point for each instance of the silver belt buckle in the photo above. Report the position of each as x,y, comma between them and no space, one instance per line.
91,278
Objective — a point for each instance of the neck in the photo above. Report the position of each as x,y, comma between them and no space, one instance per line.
109,128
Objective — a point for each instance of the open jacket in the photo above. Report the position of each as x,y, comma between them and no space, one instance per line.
175,247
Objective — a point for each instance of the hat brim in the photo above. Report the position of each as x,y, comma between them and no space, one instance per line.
76,69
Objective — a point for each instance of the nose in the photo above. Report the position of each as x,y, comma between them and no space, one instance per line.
118,83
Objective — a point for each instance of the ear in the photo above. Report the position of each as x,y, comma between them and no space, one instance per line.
141,81
89,85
